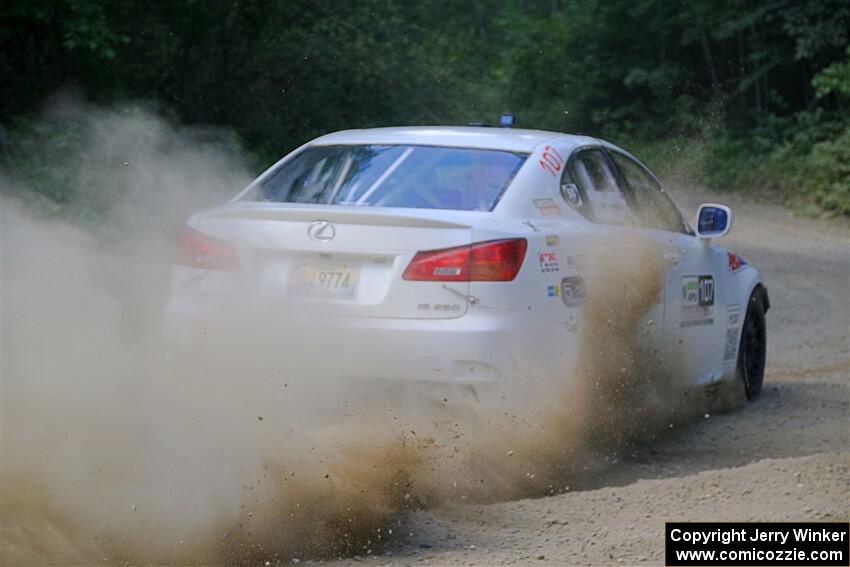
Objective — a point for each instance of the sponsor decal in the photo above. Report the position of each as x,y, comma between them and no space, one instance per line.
697,322
548,261
547,207
735,262
690,289
698,290
552,240
571,194
730,350
553,291
734,316
697,301
572,291
551,161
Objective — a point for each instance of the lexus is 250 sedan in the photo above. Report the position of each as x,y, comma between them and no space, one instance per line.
457,255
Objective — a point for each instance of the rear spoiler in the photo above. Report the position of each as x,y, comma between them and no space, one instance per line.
385,216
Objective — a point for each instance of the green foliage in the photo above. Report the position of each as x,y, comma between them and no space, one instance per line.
117,165
824,173
805,157
78,24
741,78
85,27
731,163
834,79
44,159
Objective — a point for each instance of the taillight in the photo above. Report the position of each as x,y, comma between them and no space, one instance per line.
492,261
197,250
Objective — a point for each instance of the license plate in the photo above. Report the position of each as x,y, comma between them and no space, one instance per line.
337,281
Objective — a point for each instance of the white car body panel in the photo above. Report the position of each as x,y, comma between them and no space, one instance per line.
455,332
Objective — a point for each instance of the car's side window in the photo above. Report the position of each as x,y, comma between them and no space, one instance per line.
653,207
603,201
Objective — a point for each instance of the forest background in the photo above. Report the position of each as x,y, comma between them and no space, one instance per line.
730,94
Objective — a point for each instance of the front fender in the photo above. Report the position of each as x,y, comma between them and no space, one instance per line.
743,283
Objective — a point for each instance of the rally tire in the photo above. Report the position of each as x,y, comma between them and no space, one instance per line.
753,348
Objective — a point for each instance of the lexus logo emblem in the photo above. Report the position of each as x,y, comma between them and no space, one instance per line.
321,231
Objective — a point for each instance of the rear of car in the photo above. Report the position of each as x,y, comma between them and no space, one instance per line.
364,260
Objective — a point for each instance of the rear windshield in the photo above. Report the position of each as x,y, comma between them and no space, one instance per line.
393,176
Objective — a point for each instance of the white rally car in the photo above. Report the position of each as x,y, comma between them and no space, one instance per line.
454,254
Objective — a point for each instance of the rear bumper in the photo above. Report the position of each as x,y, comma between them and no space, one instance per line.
485,345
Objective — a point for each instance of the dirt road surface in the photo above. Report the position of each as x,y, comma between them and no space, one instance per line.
783,457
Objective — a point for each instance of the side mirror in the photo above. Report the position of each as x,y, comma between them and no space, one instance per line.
713,221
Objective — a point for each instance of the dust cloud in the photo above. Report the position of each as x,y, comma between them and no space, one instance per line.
117,449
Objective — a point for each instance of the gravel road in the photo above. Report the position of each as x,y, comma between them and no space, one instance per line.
82,467
783,457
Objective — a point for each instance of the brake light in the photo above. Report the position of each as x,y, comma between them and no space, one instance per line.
491,261
197,250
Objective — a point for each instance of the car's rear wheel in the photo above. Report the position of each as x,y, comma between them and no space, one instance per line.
753,348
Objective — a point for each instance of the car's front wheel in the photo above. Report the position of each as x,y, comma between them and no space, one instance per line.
753,347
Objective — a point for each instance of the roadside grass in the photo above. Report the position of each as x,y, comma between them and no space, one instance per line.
804,161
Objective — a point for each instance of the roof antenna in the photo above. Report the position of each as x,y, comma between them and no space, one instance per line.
506,120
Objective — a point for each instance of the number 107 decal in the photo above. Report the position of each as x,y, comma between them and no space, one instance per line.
551,161
698,290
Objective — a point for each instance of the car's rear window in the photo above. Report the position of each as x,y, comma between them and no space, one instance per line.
393,176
